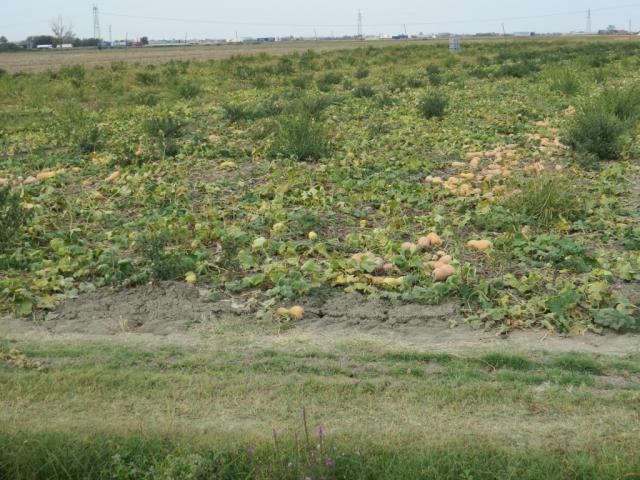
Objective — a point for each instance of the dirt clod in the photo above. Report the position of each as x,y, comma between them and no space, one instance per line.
158,309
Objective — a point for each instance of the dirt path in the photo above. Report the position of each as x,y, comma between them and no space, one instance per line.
181,314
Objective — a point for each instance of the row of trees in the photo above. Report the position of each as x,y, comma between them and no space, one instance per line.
35,40
62,33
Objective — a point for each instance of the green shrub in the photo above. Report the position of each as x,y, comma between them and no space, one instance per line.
12,216
302,82
187,89
363,91
165,264
80,127
545,199
434,75
163,126
362,72
165,130
518,70
565,82
313,105
414,82
328,80
236,112
147,78
89,139
384,99
597,131
624,103
301,137
74,73
144,98
433,105
285,66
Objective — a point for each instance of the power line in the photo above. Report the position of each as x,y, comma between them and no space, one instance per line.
440,22
300,25
589,21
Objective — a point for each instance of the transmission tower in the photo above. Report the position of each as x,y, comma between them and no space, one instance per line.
96,22
589,21
360,36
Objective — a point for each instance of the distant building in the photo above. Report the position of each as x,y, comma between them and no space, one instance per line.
66,45
524,34
44,46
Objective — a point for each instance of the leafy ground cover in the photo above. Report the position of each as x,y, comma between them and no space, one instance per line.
276,178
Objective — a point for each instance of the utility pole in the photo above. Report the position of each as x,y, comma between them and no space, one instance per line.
110,40
504,32
629,26
96,22
360,25
315,33
405,31
589,21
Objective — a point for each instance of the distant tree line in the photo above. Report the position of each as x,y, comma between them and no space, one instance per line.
34,40
62,34
7,46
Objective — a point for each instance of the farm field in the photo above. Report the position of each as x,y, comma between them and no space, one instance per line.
38,61
436,255
45,60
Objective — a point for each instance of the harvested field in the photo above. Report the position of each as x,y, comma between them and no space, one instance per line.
380,261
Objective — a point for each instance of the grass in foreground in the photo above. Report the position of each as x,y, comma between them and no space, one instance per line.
229,408
100,456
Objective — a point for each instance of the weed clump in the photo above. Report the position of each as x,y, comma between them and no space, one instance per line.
546,199
328,80
565,82
187,90
12,216
433,105
301,137
165,130
624,103
364,91
434,74
597,132
165,264
599,128
362,72
147,78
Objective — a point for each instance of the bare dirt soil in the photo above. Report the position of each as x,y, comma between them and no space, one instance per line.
184,313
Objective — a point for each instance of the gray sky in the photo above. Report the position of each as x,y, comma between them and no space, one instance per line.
222,19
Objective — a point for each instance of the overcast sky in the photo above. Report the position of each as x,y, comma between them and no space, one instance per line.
250,18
